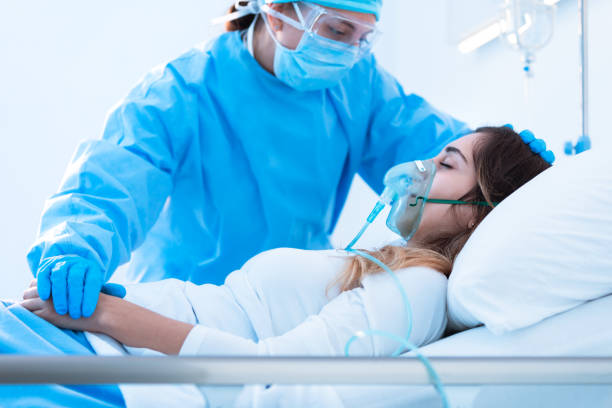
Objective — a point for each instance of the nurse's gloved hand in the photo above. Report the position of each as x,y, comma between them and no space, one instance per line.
537,146
73,282
114,289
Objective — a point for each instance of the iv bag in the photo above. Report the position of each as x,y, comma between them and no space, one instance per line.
528,26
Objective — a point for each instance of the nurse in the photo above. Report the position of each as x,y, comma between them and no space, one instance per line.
247,144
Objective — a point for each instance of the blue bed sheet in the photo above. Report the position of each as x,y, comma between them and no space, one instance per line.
22,332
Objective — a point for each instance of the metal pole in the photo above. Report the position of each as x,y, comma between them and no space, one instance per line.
584,141
278,370
584,65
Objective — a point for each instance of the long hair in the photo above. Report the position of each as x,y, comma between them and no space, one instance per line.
503,163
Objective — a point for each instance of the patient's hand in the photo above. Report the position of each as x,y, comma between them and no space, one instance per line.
45,309
124,321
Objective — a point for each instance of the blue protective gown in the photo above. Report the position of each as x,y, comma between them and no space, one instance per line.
211,160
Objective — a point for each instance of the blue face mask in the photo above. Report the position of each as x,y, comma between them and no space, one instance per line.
316,63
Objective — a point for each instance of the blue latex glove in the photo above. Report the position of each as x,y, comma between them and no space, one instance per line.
114,289
74,282
537,146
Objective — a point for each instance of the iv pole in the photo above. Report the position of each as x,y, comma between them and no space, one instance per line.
584,141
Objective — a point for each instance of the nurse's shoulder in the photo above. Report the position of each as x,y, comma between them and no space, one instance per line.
187,71
360,78
368,86
165,103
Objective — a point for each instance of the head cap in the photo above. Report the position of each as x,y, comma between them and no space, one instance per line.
361,6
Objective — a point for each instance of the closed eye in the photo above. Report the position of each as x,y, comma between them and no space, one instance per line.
448,166
335,31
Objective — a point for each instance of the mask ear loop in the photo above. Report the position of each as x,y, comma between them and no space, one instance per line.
298,12
305,29
270,11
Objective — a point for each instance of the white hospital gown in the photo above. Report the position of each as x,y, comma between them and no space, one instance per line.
277,305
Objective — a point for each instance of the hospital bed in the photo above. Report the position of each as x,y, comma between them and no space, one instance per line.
563,361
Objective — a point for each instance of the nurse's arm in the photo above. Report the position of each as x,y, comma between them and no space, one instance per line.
403,127
115,188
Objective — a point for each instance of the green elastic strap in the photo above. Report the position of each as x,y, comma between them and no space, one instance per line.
436,201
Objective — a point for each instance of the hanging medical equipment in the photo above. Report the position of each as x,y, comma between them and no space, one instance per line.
527,26
584,141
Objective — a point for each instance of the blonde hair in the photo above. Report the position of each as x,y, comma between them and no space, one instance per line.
395,258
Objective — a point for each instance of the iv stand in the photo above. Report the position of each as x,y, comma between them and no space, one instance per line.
584,141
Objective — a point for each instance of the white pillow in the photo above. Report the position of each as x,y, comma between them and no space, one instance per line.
545,249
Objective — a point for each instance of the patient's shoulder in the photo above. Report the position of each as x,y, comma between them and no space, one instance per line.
294,266
422,277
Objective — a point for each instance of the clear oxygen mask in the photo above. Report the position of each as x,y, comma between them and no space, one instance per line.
406,187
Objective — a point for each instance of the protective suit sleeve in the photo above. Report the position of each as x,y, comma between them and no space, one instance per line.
402,128
378,306
115,188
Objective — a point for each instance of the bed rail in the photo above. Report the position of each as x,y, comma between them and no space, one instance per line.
306,370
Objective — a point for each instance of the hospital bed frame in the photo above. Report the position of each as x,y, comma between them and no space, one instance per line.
301,370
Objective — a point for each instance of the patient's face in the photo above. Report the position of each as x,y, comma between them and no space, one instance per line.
455,177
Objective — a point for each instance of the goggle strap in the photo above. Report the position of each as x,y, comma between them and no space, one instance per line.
241,10
229,17
270,11
298,12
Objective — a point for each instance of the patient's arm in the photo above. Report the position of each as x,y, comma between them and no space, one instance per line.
136,326
378,305
126,322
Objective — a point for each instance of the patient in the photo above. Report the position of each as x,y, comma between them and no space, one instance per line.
294,302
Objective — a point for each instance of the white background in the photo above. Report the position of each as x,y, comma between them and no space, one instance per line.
63,64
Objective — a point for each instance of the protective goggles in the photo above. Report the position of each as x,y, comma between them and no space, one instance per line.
344,31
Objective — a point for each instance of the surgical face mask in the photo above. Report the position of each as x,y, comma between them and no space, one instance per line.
317,62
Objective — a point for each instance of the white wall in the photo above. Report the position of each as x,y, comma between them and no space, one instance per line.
64,63
487,86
